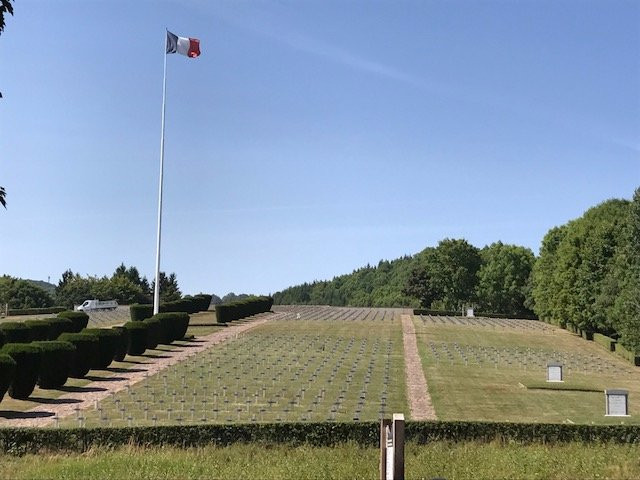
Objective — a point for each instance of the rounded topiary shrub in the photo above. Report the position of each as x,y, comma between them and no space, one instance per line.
166,333
123,343
15,332
7,373
2,338
154,332
58,326
109,340
204,301
87,347
80,319
180,325
38,329
27,358
57,358
139,312
137,337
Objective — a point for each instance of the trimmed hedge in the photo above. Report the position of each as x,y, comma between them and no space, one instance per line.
628,355
137,337
607,342
123,344
2,339
15,332
38,329
109,340
139,312
228,312
204,301
80,319
35,311
87,347
326,434
28,358
57,358
174,325
7,373
58,326
154,332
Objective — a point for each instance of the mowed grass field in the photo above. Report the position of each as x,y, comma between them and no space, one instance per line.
436,460
312,364
480,369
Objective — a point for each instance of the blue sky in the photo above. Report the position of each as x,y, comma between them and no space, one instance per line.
311,137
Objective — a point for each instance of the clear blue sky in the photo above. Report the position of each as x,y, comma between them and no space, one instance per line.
311,137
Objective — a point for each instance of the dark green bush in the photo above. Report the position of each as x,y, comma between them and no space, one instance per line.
15,332
123,343
204,301
7,373
137,337
57,358
80,319
58,326
166,334
139,312
38,329
109,340
2,338
35,311
154,332
174,325
87,348
244,308
28,359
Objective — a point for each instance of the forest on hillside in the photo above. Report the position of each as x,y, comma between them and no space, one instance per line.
586,275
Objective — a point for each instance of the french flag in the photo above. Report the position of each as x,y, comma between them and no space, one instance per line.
183,45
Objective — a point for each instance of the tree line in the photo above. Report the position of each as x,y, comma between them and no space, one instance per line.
587,274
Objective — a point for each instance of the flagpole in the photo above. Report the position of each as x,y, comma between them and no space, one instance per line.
156,292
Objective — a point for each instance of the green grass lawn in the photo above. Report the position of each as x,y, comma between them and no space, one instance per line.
477,372
284,370
452,461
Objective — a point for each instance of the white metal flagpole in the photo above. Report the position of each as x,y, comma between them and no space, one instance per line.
156,290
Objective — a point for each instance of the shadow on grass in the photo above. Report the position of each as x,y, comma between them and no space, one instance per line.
71,389
10,414
93,378
124,370
135,362
54,401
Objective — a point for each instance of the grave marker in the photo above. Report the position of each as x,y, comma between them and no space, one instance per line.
554,372
616,403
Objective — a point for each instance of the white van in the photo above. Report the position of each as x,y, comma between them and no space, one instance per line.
89,305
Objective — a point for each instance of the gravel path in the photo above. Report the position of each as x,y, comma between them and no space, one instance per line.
419,399
46,414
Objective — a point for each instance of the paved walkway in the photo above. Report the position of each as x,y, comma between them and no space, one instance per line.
420,404
87,396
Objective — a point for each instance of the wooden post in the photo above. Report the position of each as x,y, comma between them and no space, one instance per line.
398,446
384,424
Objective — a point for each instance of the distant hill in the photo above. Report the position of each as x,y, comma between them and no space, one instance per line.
371,286
50,288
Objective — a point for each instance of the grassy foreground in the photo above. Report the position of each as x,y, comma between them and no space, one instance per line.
442,459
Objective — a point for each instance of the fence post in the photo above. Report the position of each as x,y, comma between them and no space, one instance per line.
392,448
398,446
384,424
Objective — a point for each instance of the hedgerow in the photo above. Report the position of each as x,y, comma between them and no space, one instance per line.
154,332
139,312
15,332
137,337
108,341
58,326
87,348
123,343
35,311
28,359
56,361
326,434
7,373
80,319
38,329
228,312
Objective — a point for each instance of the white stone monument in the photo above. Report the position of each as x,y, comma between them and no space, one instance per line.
554,372
469,312
616,403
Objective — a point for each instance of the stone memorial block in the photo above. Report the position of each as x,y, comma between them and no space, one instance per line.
554,372
616,403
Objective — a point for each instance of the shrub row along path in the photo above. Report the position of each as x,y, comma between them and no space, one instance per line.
44,415
420,404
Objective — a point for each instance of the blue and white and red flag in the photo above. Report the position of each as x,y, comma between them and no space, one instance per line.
189,47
